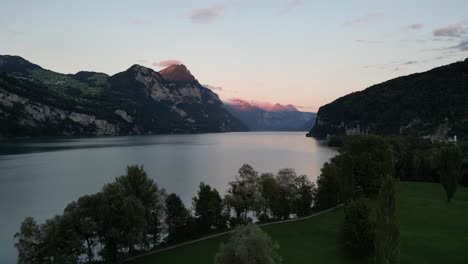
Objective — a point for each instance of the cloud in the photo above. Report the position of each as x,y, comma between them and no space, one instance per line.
462,46
415,26
142,61
139,21
365,19
167,63
365,41
290,5
208,14
458,31
449,31
395,65
214,88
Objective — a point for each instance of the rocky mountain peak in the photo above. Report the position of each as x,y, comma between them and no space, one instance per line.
177,73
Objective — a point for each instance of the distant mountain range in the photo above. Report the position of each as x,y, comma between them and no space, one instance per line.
270,117
36,102
432,104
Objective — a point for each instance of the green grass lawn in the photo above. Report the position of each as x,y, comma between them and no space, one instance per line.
432,231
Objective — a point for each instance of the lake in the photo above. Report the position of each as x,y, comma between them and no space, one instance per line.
39,178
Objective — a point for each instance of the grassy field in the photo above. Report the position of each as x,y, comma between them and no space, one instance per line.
432,231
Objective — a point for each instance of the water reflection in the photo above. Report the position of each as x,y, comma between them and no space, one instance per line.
40,177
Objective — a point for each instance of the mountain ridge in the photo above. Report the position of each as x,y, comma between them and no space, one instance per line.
262,116
138,100
431,104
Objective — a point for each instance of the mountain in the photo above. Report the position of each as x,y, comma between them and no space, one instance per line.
36,102
270,117
432,104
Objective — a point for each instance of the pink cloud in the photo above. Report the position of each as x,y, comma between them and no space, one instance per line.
457,30
365,19
415,26
206,15
167,63
450,31
290,5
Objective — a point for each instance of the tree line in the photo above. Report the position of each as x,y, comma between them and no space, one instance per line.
363,177
133,215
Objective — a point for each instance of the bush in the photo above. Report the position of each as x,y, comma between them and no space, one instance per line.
249,244
358,231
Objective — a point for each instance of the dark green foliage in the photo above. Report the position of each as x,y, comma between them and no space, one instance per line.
449,164
249,244
358,230
371,158
209,209
387,233
269,188
328,187
304,196
413,105
177,217
285,195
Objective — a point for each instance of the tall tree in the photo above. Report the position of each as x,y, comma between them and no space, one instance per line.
269,190
305,191
285,196
249,244
387,242
328,191
244,193
29,242
176,218
358,230
208,207
372,159
449,165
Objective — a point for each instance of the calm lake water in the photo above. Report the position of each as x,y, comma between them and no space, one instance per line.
39,178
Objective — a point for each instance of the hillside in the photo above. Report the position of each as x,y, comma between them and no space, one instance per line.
432,231
35,102
270,117
431,104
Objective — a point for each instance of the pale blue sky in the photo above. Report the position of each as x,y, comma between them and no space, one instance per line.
301,52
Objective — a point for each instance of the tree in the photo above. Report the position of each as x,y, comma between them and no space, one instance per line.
449,164
284,198
345,170
62,244
387,229
155,227
208,207
358,231
248,244
244,193
372,159
305,191
84,221
328,191
176,218
121,221
29,240
269,190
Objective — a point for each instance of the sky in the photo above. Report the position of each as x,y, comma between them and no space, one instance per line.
301,52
